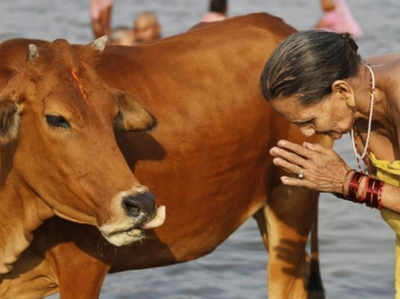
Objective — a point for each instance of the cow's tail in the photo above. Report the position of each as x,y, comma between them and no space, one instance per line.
314,281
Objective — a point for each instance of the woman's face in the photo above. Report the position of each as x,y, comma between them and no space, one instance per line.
331,115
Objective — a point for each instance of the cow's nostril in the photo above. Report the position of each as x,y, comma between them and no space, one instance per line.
142,202
131,206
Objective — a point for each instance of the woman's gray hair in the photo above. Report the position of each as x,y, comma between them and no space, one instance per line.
307,63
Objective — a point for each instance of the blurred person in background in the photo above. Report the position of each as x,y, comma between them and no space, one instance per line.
338,18
146,27
217,11
122,36
100,16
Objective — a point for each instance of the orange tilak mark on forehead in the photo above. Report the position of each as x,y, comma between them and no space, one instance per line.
79,82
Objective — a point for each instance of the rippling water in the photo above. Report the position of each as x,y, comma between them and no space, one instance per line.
356,245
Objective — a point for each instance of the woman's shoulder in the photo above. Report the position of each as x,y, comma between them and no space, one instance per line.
387,73
390,59
387,68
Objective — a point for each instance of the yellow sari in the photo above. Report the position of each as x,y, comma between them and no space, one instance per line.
389,172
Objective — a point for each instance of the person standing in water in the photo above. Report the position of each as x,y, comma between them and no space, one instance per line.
217,11
100,16
338,18
146,27
318,81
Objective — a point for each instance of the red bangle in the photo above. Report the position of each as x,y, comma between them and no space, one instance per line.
353,187
380,188
377,194
370,196
374,193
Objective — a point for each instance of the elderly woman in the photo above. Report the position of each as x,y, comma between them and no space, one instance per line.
317,80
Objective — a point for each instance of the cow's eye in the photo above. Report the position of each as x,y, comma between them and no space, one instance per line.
57,121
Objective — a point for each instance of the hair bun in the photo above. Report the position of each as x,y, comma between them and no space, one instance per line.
349,39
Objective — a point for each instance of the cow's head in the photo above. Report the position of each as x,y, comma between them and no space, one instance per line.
62,118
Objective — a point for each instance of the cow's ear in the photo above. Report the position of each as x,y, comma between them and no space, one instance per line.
10,118
132,115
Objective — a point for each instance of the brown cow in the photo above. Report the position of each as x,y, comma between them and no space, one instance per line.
206,161
56,114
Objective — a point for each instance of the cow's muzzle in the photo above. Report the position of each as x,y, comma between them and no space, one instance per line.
134,205
139,213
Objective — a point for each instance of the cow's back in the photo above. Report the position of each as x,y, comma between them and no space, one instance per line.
207,160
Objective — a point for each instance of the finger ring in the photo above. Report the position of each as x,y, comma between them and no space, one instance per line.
301,174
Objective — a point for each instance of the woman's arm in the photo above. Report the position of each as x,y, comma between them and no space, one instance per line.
325,171
100,15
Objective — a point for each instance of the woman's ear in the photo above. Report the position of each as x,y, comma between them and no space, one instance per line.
342,90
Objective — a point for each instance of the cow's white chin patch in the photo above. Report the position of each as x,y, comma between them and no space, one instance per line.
127,233
125,238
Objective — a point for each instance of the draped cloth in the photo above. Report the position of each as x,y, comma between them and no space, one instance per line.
389,172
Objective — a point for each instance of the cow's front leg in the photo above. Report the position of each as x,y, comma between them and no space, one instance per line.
80,258
81,276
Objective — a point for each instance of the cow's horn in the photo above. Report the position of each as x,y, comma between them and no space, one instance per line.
100,43
33,52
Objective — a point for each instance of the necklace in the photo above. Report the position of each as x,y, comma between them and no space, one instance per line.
371,111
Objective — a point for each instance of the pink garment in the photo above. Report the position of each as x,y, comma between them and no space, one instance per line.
213,17
340,20
98,5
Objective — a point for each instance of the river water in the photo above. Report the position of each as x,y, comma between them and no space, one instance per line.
356,246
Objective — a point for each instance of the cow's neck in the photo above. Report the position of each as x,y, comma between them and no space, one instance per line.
21,212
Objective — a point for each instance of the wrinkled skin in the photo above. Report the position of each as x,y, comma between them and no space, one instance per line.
207,161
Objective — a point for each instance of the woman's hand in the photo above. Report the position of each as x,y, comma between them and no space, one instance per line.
322,169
